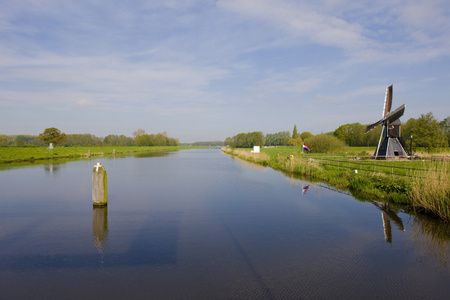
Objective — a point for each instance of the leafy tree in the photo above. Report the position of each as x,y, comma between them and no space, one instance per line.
427,132
85,139
20,143
294,132
445,126
53,135
160,139
407,128
115,140
5,140
245,140
295,142
351,134
138,133
277,139
305,134
22,140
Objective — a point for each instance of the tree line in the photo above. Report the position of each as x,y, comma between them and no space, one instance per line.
426,131
55,136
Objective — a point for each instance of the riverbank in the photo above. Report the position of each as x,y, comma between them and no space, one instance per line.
429,193
13,154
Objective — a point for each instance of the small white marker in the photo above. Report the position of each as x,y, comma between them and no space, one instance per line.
98,165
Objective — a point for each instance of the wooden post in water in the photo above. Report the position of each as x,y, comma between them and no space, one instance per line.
99,186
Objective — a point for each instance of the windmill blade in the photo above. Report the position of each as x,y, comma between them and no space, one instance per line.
370,127
387,101
396,114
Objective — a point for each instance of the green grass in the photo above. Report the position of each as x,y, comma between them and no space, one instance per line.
30,154
365,183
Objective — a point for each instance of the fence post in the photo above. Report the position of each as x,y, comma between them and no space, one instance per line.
392,170
409,172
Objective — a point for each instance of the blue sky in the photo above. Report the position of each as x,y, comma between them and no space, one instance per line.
206,70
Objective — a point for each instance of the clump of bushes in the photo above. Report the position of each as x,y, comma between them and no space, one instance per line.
324,143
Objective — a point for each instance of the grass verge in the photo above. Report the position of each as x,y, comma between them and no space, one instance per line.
429,194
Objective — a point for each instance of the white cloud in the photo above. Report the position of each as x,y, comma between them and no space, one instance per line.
302,20
197,59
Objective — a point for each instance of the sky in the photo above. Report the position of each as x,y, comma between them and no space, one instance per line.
204,70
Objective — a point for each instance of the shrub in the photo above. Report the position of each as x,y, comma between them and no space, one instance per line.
324,143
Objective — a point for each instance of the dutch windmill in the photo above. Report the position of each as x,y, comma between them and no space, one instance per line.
391,146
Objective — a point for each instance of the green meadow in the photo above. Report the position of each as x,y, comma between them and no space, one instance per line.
30,154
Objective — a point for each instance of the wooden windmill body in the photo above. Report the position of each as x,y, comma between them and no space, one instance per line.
390,144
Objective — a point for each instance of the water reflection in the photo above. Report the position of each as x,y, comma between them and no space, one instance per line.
50,168
431,239
100,228
151,154
389,214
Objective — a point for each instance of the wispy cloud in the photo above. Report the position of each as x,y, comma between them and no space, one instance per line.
193,61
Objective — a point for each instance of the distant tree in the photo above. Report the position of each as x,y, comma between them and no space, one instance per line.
208,143
160,139
294,132
52,135
138,133
445,126
5,140
277,139
245,140
116,140
295,142
351,134
304,135
427,132
256,138
85,139
407,128
22,140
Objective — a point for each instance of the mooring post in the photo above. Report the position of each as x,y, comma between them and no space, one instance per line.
99,186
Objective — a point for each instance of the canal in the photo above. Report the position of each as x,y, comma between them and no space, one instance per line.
199,224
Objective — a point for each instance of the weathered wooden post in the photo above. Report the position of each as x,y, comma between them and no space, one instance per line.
99,186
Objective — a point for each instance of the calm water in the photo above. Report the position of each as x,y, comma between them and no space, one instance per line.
198,224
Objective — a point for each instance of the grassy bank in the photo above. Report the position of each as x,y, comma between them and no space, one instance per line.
30,154
429,192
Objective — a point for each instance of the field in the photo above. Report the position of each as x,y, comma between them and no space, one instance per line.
30,154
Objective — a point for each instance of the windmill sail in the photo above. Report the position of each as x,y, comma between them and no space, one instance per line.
372,126
390,117
396,114
387,101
